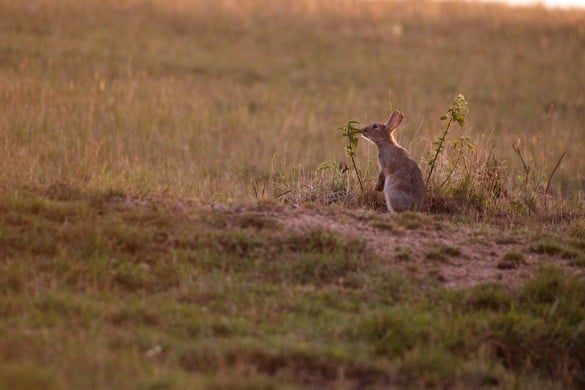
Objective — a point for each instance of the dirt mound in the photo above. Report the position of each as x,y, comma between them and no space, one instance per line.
457,254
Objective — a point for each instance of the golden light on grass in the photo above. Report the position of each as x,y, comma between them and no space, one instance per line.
203,98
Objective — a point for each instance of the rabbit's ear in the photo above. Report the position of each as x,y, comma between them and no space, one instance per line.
394,121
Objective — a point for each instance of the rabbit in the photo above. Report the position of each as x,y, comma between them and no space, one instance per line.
400,176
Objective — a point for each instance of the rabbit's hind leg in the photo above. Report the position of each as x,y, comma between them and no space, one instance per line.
397,201
388,197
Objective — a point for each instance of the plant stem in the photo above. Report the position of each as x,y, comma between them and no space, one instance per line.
350,131
525,166
357,173
553,172
450,173
438,150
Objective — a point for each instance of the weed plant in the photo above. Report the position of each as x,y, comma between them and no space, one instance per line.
460,177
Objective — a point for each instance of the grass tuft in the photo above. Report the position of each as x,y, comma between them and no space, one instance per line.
491,297
411,220
402,252
511,260
443,253
553,247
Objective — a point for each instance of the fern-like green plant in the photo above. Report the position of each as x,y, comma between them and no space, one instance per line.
350,131
456,113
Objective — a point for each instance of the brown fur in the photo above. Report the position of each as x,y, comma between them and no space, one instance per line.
400,176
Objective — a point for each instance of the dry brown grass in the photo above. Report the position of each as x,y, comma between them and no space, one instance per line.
230,100
126,117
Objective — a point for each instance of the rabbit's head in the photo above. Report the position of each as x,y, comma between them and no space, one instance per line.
380,133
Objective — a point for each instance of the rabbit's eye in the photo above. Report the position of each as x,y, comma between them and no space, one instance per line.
375,126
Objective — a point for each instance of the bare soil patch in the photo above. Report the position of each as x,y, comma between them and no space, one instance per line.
456,254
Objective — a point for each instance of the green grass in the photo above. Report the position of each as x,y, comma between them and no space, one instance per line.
560,247
403,253
443,253
512,260
136,134
552,246
99,291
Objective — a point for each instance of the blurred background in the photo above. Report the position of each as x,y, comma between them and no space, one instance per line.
546,3
234,100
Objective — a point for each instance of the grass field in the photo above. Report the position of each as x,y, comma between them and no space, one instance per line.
100,292
172,215
201,98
